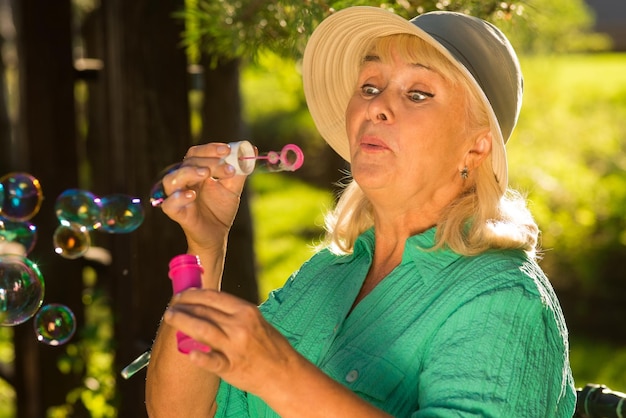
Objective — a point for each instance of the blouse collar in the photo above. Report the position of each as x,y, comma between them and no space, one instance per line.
417,250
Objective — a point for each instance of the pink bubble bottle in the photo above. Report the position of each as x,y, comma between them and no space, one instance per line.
185,271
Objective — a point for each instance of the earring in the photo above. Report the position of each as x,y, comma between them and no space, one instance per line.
465,173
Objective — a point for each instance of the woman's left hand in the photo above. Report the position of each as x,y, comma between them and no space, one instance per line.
246,351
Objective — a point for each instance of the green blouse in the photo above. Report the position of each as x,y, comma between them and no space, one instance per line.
442,335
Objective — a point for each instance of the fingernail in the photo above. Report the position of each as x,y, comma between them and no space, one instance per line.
167,315
189,194
202,171
229,169
223,149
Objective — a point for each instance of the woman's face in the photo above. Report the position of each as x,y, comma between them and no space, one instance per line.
407,128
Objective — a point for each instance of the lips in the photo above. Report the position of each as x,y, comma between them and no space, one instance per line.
372,143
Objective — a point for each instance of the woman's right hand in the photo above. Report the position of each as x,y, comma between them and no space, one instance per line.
203,196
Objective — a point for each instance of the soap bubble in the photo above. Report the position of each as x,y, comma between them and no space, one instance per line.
78,206
71,240
17,237
21,289
54,324
121,213
157,194
22,196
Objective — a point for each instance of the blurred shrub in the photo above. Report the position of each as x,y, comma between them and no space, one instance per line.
555,26
568,154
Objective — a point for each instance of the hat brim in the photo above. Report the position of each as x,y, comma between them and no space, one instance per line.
330,69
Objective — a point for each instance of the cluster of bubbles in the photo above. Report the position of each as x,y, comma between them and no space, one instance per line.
80,211
21,282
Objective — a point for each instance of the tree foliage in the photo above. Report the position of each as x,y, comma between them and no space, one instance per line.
557,26
234,29
241,28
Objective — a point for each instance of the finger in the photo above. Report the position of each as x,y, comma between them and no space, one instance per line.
218,168
213,361
196,172
199,309
185,177
222,301
200,323
212,149
197,302
178,200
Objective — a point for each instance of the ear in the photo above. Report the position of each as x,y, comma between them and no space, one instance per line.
479,150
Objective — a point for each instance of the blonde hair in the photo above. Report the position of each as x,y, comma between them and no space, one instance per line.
479,219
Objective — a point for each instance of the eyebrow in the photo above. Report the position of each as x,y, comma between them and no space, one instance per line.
376,58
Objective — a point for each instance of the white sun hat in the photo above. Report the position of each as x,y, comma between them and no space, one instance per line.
478,49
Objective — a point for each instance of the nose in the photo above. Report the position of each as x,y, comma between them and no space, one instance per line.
379,108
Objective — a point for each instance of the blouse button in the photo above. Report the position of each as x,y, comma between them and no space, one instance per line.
352,376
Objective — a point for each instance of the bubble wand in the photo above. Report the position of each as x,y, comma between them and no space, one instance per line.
244,159
136,365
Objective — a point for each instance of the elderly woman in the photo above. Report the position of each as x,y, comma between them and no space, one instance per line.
426,299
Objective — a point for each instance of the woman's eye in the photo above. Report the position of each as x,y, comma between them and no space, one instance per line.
369,90
418,96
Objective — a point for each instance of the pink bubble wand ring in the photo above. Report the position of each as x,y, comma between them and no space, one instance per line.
290,158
